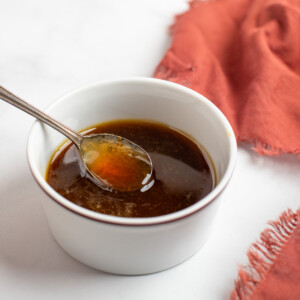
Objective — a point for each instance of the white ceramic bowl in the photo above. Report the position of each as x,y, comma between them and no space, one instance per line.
133,245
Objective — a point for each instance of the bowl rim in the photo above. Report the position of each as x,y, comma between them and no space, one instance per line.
115,220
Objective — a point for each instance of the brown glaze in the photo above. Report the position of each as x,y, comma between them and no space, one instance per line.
182,175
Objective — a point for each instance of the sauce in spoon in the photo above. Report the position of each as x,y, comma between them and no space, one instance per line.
116,162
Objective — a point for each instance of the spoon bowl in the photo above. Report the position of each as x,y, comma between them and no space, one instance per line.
116,163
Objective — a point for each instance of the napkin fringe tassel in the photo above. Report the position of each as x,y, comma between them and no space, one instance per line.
262,254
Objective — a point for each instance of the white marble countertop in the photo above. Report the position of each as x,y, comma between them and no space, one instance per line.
48,48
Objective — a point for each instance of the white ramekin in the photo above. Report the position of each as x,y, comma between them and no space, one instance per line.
133,245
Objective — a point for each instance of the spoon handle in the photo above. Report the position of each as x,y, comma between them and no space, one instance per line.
12,99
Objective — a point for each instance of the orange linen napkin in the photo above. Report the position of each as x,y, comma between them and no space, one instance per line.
243,55
273,272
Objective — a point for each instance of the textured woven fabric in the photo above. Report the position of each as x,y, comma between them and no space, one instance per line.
273,272
243,55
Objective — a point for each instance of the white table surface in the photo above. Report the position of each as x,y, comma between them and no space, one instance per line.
48,48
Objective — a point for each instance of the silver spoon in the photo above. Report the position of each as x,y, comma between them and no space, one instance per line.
92,147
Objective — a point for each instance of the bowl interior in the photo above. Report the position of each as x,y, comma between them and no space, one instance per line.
148,99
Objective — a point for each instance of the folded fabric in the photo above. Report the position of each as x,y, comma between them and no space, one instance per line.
273,272
243,55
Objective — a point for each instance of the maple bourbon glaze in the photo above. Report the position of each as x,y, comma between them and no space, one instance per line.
182,173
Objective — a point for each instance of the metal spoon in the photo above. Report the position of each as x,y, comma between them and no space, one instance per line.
91,147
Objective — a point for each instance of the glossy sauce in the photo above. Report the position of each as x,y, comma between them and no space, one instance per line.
182,175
